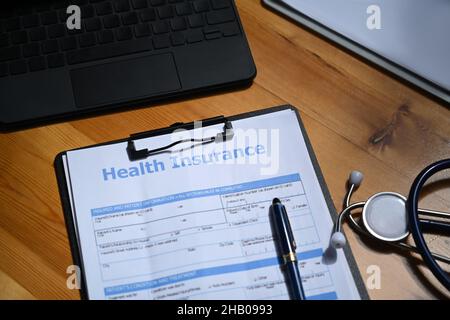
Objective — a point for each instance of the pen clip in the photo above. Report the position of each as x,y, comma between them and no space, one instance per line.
289,228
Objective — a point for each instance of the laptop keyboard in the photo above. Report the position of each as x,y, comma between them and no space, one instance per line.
36,38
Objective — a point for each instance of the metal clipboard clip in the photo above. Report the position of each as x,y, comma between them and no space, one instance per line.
226,135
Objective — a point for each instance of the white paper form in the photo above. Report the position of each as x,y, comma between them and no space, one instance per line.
196,225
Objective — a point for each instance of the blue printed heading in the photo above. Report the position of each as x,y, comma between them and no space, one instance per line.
176,162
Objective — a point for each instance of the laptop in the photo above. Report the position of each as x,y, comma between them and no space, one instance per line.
410,38
127,53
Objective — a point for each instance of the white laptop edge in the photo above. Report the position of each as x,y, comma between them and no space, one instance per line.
409,76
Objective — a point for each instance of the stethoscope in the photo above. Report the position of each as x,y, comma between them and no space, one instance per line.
391,218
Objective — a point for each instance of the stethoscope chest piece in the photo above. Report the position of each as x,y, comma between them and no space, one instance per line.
385,217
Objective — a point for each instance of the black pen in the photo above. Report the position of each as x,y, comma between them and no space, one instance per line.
286,248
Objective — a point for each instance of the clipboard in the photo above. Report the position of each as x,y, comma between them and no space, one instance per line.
71,225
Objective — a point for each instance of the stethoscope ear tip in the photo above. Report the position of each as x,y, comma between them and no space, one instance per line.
355,178
338,240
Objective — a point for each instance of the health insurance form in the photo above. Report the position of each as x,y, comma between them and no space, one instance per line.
195,224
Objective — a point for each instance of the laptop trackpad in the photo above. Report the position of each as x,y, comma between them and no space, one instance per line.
125,80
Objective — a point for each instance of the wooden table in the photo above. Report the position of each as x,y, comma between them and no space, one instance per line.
357,117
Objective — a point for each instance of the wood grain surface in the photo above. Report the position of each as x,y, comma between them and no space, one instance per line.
356,116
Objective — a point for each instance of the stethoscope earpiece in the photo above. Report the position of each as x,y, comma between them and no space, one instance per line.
355,178
338,240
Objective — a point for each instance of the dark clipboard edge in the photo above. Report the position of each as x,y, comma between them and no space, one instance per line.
70,224
67,210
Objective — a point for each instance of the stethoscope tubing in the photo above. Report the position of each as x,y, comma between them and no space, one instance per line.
415,224
434,226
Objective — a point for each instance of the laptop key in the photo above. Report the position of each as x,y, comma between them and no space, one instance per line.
220,4
74,32
31,49
212,36
142,30
178,23
55,60
50,46
196,21
148,15
201,5
139,4
68,43
10,53
177,38
183,9
121,5
48,18
129,18
230,29
18,67
220,16
19,37
93,24
157,2
111,21
30,21
38,34
211,29
161,42
109,50
56,31
87,11
37,63
165,12
124,33
194,35
105,36
103,8
87,39
160,27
